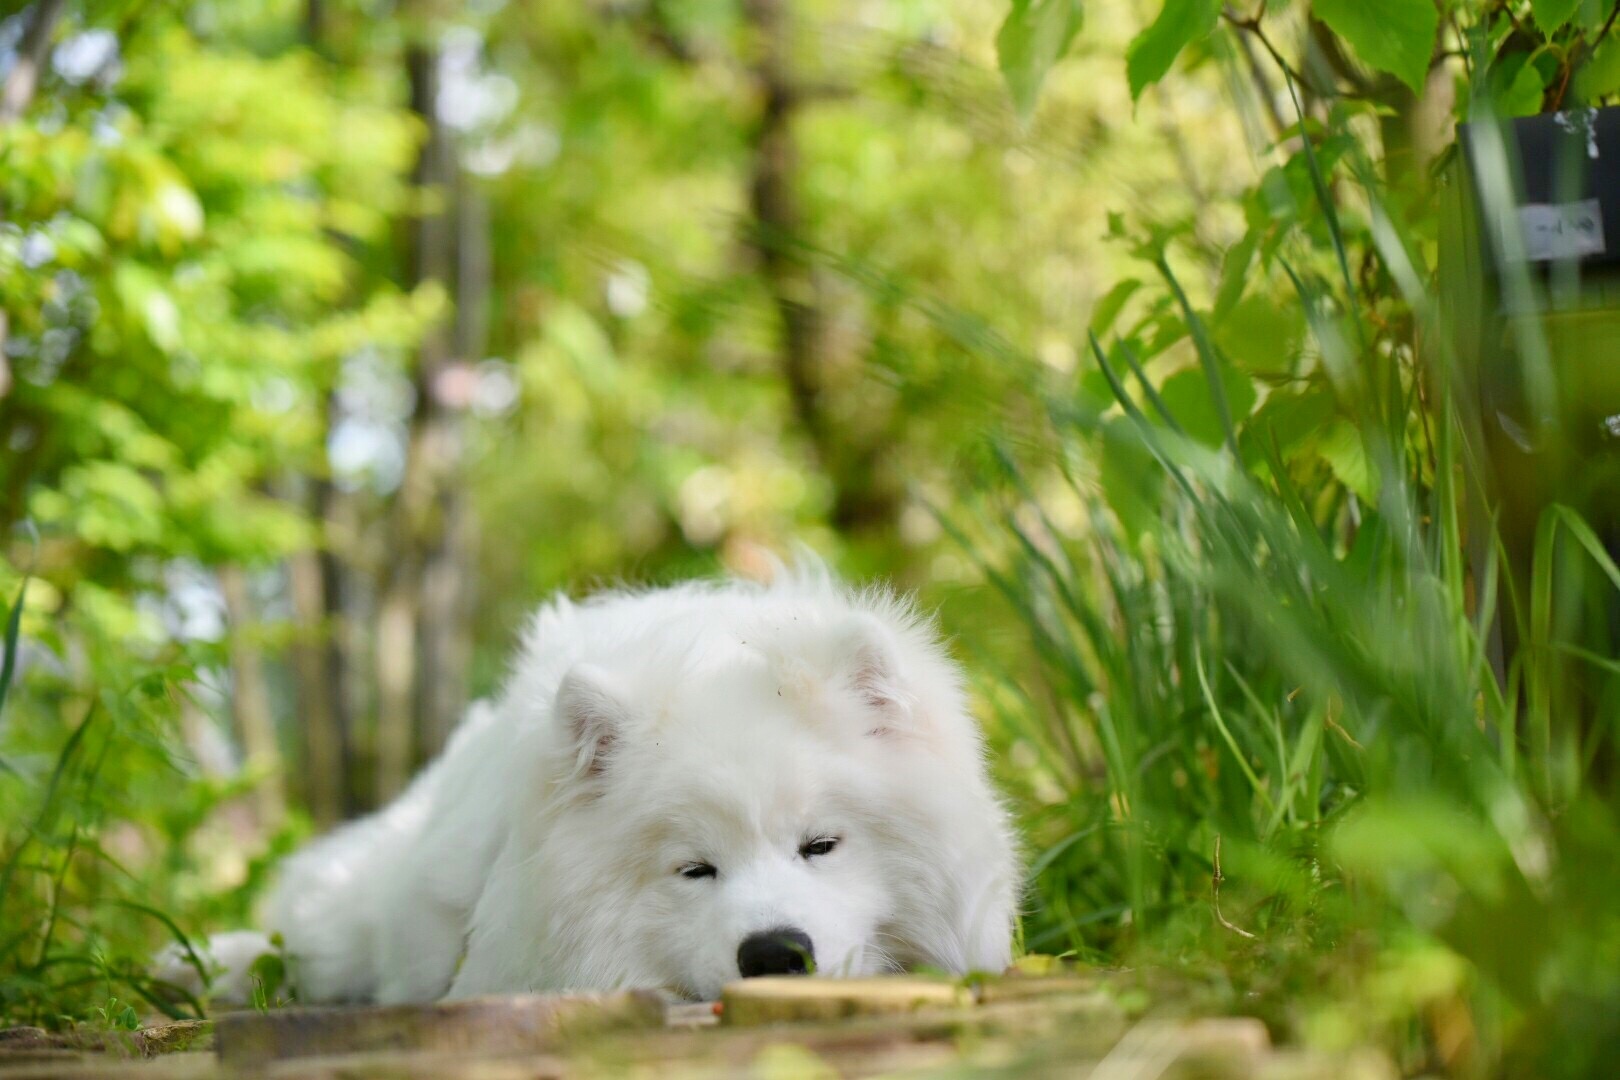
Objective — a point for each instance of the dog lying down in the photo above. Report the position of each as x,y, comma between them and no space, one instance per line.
675,788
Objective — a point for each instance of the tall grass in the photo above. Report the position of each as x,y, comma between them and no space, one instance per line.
1267,670
97,810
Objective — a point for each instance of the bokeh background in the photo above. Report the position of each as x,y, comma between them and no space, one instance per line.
336,334
342,333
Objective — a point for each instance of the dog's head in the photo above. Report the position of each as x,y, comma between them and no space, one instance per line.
802,794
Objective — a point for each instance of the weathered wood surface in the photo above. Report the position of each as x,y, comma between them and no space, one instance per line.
97,1065
152,1041
487,1027
1058,1023
789,998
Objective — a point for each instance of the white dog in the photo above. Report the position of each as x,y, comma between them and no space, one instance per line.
676,788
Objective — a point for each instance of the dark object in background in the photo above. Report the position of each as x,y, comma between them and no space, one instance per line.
1530,289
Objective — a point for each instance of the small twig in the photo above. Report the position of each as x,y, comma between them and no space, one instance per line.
1262,85
1251,24
1215,883
1333,725
1358,90
1608,24
1578,56
1518,27
1334,56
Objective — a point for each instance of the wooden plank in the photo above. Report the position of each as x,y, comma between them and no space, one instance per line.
154,1041
1026,987
790,998
482,1027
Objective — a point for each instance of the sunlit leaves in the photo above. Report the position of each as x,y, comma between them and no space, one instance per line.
183,270
1396,36
105,503
1034,36
1180,23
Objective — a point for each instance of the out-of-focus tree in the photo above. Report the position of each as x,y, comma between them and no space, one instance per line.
339,332
378,309
723,335
191,207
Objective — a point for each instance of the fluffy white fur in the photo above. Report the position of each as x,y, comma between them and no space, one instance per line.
643,732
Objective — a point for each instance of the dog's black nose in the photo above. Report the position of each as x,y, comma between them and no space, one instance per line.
783,951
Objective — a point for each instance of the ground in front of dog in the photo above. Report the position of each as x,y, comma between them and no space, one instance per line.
1069,1022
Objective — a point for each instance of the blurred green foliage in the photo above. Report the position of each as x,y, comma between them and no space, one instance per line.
1110,325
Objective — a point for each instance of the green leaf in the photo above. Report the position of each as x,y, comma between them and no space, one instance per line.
1235,272
1187,395
1552,14
8,665
1518,87
1288,419
1388,838
1600,75
1396,36
1583,534
1180,23
1346,455
1034,36
1108,308
1132,483
13,631
1261,336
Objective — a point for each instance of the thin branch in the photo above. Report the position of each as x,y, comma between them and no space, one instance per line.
1215,883
1608,24
1262,86
1251,24
1328,44
1578,56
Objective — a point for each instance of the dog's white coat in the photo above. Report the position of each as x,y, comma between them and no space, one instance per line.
642,732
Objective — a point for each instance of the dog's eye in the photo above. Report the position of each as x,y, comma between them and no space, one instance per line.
698,870
821,845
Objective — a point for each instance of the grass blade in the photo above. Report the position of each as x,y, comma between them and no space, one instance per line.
8,665
1207,356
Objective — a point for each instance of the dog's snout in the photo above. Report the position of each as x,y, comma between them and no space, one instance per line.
783,951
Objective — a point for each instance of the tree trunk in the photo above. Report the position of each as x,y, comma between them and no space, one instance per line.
431,454
319,693
448,582
322,663
33,51
351,604
861,498
32,54
396,682
315,24
250,699
778,222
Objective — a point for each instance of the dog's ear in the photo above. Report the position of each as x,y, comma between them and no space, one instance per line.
592,716
872,666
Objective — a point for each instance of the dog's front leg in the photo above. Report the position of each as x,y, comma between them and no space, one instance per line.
419,944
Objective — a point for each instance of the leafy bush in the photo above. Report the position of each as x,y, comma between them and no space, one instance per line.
106,832
1265,723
